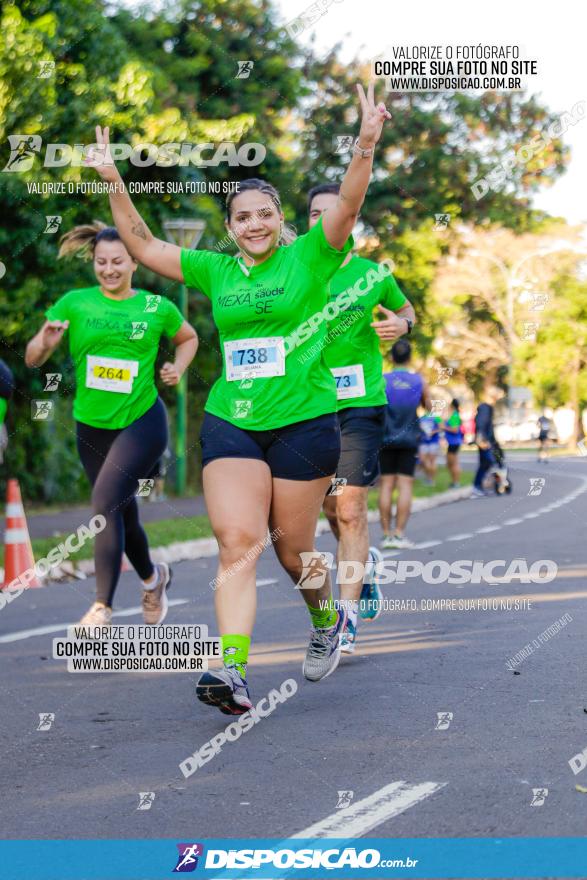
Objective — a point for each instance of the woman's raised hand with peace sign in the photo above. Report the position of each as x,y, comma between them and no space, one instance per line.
372,118
99,156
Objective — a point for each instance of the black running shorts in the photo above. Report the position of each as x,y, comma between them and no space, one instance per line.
361,435
302,451
398,460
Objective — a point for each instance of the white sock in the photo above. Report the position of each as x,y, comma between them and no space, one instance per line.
153,580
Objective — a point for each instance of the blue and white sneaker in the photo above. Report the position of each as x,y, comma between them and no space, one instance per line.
323,654
371,601
349,637
226,689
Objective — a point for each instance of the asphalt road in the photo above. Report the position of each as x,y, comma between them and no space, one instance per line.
370,725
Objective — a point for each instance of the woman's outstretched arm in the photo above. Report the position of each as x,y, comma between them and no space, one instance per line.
157,255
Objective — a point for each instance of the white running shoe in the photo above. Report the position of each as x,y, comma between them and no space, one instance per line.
400,542
98,615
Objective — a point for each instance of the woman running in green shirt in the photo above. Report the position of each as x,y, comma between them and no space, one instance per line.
270,436
121,424
453,432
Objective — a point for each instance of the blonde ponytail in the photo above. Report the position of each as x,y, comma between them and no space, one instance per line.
81,240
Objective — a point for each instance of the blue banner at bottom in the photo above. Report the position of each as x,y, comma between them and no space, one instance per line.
228,859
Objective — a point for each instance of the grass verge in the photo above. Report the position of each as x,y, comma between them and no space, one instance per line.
168,531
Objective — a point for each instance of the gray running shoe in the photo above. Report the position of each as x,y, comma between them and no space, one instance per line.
323,654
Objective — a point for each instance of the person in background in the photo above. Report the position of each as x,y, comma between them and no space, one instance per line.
6,390
430,431
485,439
405,392
543,437
453,432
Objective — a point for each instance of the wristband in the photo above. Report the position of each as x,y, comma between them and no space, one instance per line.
359,151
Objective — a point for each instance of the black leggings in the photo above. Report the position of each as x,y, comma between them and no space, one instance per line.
114,461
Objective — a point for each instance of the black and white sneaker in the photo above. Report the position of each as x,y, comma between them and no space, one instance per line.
226,689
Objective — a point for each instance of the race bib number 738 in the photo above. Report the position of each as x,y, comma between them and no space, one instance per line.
257,358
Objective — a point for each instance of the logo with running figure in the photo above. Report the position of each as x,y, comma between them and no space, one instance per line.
337,485
152,303
139,329
145,487
53,222
315,567
187,860
441,221
46,719
443,375
42,410
437,406
244,69
46,69
345,799
443,720
537,484
146,799
343,143
242,408
52,381
539,795
23,149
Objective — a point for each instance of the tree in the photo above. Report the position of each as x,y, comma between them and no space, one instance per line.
558,375
489,294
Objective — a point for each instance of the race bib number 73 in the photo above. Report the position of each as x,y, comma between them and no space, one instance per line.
350,381
110,374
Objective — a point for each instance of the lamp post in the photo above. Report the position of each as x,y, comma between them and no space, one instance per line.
185,234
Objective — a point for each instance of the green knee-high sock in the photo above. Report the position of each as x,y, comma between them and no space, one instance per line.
325,616
235,652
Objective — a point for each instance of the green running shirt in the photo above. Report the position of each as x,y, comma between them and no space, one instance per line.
271,323
114,344
353,345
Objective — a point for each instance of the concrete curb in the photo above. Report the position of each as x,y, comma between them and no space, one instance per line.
202,548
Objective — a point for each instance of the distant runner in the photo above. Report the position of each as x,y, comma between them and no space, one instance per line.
406,392
453,432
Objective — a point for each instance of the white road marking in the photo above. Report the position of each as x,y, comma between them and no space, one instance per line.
264,582
486,529
513,521
366,814
425,544
463,537
22,634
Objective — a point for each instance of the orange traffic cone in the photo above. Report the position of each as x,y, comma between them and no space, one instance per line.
18,553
